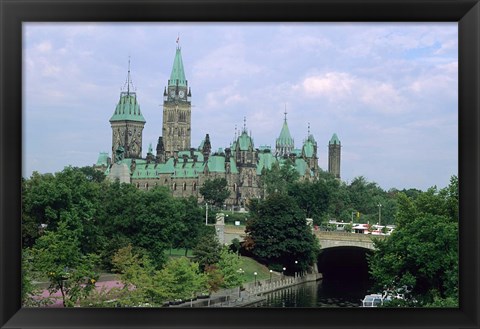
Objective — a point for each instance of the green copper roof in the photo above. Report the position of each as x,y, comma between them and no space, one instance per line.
308,148
285,139
178,73
245,141
301,166
233,166
265,160
334,140
216,163
127,109
102,159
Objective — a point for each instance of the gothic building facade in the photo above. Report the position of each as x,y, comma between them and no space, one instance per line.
183,168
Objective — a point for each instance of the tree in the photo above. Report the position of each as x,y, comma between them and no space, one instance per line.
192,221
229,265
207,251
182,278
278,178
422,252
143,286
277,233
57,255
215,191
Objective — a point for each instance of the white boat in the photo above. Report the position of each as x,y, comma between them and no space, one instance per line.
375,300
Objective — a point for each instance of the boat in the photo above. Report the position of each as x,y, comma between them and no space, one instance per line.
375,300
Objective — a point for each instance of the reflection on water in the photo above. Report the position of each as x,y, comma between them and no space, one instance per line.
330,293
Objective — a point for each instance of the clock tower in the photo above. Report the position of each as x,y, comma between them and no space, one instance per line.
177,108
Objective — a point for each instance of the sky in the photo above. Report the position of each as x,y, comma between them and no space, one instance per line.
389,91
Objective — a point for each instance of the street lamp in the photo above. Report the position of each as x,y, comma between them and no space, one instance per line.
206,213
255,274
296,264
271,276
283,273
379,213
241,271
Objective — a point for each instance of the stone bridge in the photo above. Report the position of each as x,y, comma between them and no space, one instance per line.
344,239
327,239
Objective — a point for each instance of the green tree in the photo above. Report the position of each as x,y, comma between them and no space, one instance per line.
57,255
277,233
278,178
229,265
207,251
192,221
142,284
182,278
215,191
422,252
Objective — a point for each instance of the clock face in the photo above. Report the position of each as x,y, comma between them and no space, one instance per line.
181,94
172,93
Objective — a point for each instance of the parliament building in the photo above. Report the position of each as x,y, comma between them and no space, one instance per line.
183,168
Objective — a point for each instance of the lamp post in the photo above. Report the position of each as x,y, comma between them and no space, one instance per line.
206,213
255,274
379,213
240,270
283,273
271,276
296,264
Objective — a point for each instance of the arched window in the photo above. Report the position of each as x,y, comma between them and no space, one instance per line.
235,187
146,186
184,186
174,186
194,186
137,185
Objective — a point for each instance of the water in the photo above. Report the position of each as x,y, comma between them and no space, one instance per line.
331,293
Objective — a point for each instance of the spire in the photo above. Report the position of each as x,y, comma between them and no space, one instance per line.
284,144
177,77
308,133
334,140
127,107
128,82
244,124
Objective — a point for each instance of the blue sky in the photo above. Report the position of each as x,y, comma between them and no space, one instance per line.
389,91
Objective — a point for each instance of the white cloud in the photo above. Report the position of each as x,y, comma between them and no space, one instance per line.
331,85
344,88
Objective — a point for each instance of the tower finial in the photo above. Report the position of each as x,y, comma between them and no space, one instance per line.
285,113
308,130
244,124
178,41
128,77
235,132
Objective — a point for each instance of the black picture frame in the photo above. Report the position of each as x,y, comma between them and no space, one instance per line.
14,12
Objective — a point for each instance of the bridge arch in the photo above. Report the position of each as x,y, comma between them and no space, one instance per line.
344,263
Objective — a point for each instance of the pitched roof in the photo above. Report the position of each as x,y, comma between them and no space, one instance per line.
178,73
127,108
245,141
334,140
308,148
285,139
102,159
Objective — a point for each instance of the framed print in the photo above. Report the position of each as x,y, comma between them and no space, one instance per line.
236,121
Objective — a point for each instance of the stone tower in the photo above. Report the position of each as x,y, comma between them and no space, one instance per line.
309,152
284,144
127,124
334,152
177,108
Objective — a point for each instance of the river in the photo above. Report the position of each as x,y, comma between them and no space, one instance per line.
321,293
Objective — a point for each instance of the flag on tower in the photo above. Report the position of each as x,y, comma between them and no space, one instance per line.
178,38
